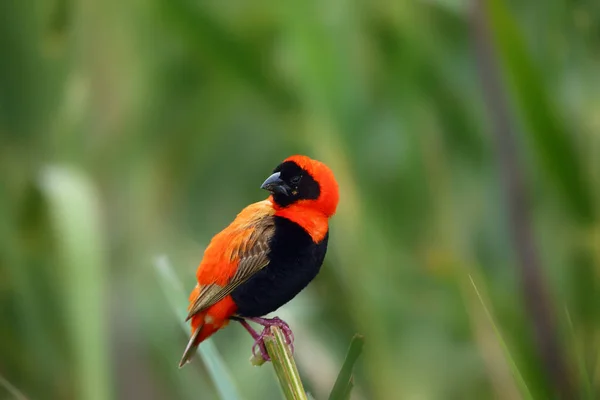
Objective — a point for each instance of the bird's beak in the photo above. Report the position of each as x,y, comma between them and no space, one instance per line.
275,184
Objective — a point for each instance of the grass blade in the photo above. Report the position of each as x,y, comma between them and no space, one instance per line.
511,362
220,375
345,382
11,389
585,383
284,365
75,217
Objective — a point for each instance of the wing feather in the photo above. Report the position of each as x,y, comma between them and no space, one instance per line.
251,254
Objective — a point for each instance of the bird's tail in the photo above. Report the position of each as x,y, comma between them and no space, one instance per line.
191,347
204,324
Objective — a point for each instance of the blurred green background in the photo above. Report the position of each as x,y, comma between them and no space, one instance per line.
139,128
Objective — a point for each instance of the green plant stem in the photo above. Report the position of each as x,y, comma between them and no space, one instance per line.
284,365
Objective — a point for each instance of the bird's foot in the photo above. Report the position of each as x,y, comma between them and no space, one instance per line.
259,344
259,340
281,324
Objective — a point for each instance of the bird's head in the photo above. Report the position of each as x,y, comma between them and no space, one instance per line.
302,180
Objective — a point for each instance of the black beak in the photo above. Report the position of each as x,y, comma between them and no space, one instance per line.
275,185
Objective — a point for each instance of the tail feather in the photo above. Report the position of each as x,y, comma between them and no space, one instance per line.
191,347
206,323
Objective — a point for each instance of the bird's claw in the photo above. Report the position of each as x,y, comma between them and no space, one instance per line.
267,324
259,344
259,339
287,331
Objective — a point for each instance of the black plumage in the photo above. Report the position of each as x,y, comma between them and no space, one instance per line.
295,260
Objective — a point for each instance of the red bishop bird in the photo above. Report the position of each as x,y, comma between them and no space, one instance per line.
266,256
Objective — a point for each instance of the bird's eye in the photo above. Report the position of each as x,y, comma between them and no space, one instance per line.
296,179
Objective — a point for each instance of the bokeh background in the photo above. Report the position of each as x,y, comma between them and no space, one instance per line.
134,129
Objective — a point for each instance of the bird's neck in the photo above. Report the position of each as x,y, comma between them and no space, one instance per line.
311,220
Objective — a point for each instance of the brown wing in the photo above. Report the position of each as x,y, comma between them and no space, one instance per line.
251,252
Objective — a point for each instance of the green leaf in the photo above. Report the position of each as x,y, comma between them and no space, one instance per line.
345,382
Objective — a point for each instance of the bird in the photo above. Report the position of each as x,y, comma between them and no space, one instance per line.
270,252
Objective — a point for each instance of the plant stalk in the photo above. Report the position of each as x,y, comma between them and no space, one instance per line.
284,365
